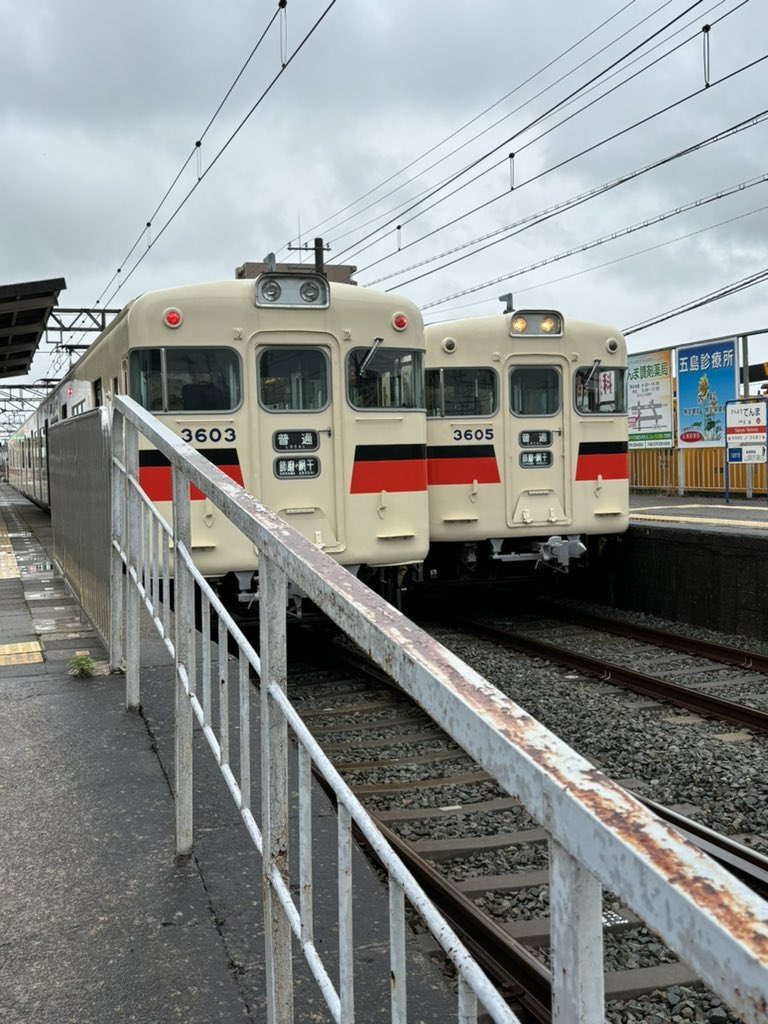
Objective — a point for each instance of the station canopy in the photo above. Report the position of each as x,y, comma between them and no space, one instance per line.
24,312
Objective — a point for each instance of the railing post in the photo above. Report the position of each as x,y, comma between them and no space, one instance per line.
274,790
576,922
184,664
117,578
132,547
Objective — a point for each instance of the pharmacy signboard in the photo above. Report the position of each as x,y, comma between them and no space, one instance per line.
649,400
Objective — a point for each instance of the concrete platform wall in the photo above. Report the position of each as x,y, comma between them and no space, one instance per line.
715,579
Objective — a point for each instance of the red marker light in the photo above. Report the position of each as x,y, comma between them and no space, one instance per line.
70,392
172,317
399,321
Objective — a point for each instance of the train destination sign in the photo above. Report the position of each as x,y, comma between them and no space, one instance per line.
535,438
296,468
537,460
295,441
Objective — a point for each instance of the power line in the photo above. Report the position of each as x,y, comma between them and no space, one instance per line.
226,145
537,218
506,193
612,236
195,149
488,170
531,124
477,117
715,296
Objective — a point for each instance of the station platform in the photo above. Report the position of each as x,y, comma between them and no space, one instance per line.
688,558
100,923
743,515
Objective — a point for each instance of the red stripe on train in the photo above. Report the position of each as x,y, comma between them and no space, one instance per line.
384,475
155,481
608,466
462,471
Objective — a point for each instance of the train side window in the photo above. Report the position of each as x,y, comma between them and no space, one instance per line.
385,378
534,391
98,394
293,379
599,390
205,379
433,389
188,379
145,377
462,391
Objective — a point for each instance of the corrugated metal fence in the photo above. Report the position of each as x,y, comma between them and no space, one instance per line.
79,471
703,471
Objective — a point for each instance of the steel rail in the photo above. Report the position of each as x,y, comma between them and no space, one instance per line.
723,653
620,675
523,980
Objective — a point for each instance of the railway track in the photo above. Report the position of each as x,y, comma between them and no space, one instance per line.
569,652
475,849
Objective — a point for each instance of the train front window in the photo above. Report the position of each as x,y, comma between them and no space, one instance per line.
184,379
293,379
534,391
599,390
462,391
385,378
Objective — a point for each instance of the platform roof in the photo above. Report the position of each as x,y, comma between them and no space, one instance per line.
24,312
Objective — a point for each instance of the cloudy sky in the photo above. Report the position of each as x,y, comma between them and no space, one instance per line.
630,194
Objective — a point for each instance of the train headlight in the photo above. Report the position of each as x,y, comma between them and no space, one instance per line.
536,323
292,291
271,291
310,291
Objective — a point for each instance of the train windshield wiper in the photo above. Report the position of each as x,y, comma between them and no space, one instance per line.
369,355
592,372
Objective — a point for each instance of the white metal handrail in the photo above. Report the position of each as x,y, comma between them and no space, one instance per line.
599,834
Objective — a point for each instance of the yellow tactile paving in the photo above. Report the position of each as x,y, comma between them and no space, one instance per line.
708,521
21,654
9,570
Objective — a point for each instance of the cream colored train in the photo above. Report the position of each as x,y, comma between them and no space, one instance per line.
306,391
527,442
470,449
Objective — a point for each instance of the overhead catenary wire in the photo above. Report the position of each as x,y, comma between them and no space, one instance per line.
641,225
534,178
195,149
322,224
538,217
228,142
625,257
202,175
531,124
520,148
759,277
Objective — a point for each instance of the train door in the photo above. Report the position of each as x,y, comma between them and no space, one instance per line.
538,454
295,443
